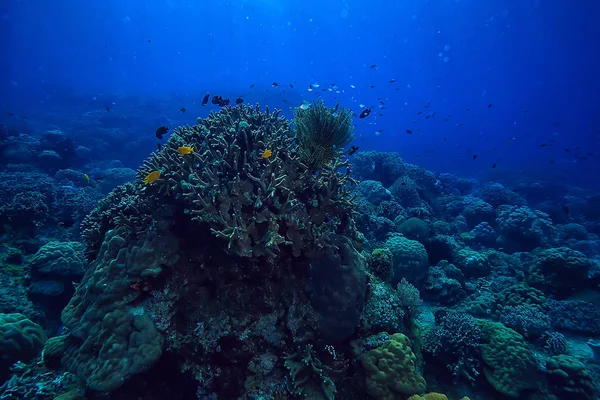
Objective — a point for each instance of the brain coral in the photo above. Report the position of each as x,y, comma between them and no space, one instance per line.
509,365
410,258
559,271
20,340
391,369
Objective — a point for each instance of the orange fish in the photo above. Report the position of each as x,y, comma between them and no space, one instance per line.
185,150
266,154
151,177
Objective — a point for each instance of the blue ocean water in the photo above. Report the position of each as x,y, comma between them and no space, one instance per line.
478,156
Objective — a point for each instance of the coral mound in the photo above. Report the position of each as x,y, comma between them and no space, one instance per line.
247,181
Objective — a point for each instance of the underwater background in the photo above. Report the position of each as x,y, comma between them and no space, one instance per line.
299,200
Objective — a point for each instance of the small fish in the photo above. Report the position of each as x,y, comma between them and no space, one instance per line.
205,99
495,164
568,150
305,105
185,150
266,154
239,100
107,108
223,102
490,105
374,66
69,187
161,131
365,113
275,84
427,116
86,178
151,177
216,99
149,41
182,109
291,86
251,86
409,131
433,115
420,112
392,80
475,156
361,105
372,86
352,150
352,87
543,145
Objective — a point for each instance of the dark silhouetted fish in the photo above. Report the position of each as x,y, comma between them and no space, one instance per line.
365,113
161,131
239,100
205,99
352,150
182,109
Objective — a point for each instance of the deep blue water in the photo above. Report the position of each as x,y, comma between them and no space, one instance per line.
535,62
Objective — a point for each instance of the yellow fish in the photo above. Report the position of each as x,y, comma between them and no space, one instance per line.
185,150
266,154
86,178
151,177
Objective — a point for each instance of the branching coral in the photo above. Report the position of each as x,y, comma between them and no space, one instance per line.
253,199
308,375
122,207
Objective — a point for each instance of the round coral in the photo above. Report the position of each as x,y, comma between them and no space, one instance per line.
391,369
20,340
509,365
410,258
559,272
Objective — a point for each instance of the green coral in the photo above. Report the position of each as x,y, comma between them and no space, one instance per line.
322,132
391,369
308,378
53,351
409,256
509,366
516,295
414,229
63,259
559,271
20,340
569,378
109,338
381,264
